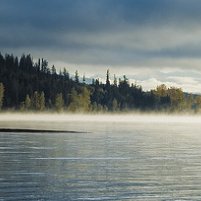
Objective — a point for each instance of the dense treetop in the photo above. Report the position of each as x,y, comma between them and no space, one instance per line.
28,85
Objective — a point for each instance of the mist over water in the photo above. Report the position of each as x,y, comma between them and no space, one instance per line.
116,157
130,118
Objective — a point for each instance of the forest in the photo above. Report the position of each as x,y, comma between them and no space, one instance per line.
26,85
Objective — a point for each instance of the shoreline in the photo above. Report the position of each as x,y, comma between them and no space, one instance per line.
27,130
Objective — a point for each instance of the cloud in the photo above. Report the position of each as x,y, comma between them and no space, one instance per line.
133,37
152,83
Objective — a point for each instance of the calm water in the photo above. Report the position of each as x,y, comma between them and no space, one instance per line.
115,161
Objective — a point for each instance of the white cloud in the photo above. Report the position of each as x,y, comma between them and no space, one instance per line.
182,80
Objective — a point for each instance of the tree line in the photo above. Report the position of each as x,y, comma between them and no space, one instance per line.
34,86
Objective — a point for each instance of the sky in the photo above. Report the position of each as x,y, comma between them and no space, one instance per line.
150,41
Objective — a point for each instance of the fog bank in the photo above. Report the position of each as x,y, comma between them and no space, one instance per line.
124,118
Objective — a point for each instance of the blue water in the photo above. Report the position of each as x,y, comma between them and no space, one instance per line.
114,161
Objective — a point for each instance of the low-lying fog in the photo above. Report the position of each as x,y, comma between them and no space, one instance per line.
135,118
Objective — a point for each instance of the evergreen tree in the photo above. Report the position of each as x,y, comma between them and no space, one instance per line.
35,101
74,100
1,94
84,79
85,99
66,74
108,78
59,102
115,81
22,106
93,81
53,70
76,77
114,104
22,76
27,102
94,107
41,101
44,66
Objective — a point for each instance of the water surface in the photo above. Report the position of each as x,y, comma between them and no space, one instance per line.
113,161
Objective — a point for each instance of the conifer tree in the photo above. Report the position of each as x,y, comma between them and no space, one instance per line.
115,81
35,101
114,104
107,78
85,99
41,101
1,94
53,70
84,79
66,74
59,102
76,77
27,102
74,100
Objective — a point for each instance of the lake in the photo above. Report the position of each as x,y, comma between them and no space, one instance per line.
106,160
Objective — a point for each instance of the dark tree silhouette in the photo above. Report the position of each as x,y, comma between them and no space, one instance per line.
34,86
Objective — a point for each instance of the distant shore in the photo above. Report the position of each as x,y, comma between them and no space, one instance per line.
24,130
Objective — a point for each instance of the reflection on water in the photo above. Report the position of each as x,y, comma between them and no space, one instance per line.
116,161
